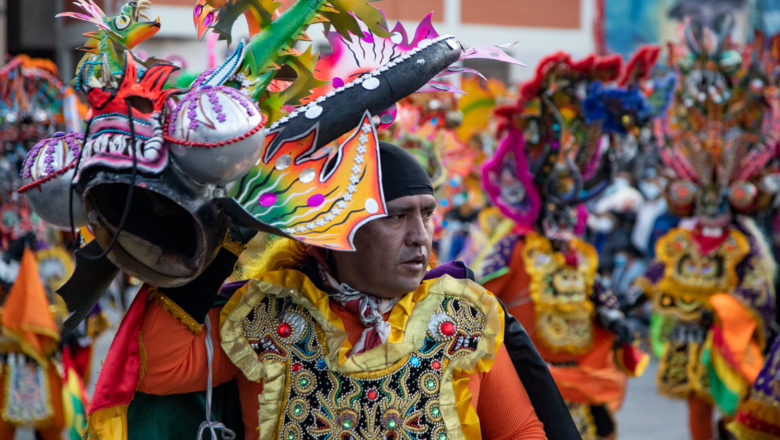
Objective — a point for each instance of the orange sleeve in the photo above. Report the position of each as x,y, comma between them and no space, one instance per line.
504,409
512,289
175,358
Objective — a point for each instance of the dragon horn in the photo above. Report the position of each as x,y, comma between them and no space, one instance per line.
325,119
373,92
725,24
692,40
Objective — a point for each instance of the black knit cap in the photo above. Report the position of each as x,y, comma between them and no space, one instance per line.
402,174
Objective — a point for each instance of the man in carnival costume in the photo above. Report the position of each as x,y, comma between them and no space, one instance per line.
711,284
352,343
313,356
551,160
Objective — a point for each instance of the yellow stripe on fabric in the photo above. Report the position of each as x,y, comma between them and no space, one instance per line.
108,423
171,307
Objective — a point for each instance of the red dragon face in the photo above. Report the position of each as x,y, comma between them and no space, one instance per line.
127,122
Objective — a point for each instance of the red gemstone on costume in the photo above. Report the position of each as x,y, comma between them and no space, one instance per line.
372,394
447,328
284,330
436,365
297,367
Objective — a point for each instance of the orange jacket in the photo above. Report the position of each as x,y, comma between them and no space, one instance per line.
175,362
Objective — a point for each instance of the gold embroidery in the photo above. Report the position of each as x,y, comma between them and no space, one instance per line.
690,276
232,246
280,336
561,293
682,296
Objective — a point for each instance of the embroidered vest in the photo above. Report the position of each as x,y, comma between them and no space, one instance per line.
288,338
563,311
691,277
680,296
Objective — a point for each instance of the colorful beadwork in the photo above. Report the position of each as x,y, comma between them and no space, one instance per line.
561,293
680,298
691,275
401,401
27,398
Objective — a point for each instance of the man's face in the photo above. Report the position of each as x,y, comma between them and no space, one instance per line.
392,252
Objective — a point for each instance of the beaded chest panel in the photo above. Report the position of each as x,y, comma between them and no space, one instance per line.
561,290
692,276
399,401
26,398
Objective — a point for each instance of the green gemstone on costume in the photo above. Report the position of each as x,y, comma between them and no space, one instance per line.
442,436
297,409
430,383
391,423
304,382
435,411
291,435
347,423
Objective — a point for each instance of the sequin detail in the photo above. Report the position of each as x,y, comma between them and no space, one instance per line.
400,401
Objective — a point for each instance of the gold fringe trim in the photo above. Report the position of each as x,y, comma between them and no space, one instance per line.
234,247
761,407
742,432
174,309
48,347
108,424
141,356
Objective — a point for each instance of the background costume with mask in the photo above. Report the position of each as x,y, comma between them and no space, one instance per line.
711,283
552,158
41,373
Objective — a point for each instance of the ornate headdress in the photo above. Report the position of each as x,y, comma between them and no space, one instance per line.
553,153
719,135
34,103
163,172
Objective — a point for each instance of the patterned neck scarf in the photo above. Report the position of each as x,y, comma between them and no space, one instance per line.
370,309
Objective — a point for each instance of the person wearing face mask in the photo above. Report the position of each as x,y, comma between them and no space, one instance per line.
647,228
610,218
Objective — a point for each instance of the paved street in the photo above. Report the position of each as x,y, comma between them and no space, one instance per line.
647,416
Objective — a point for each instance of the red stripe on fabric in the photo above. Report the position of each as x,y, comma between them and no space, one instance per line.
121,370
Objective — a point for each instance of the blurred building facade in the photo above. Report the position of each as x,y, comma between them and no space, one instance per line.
538,27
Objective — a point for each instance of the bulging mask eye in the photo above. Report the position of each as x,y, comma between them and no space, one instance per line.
742,195
209,19
681,195
730,61
122,22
